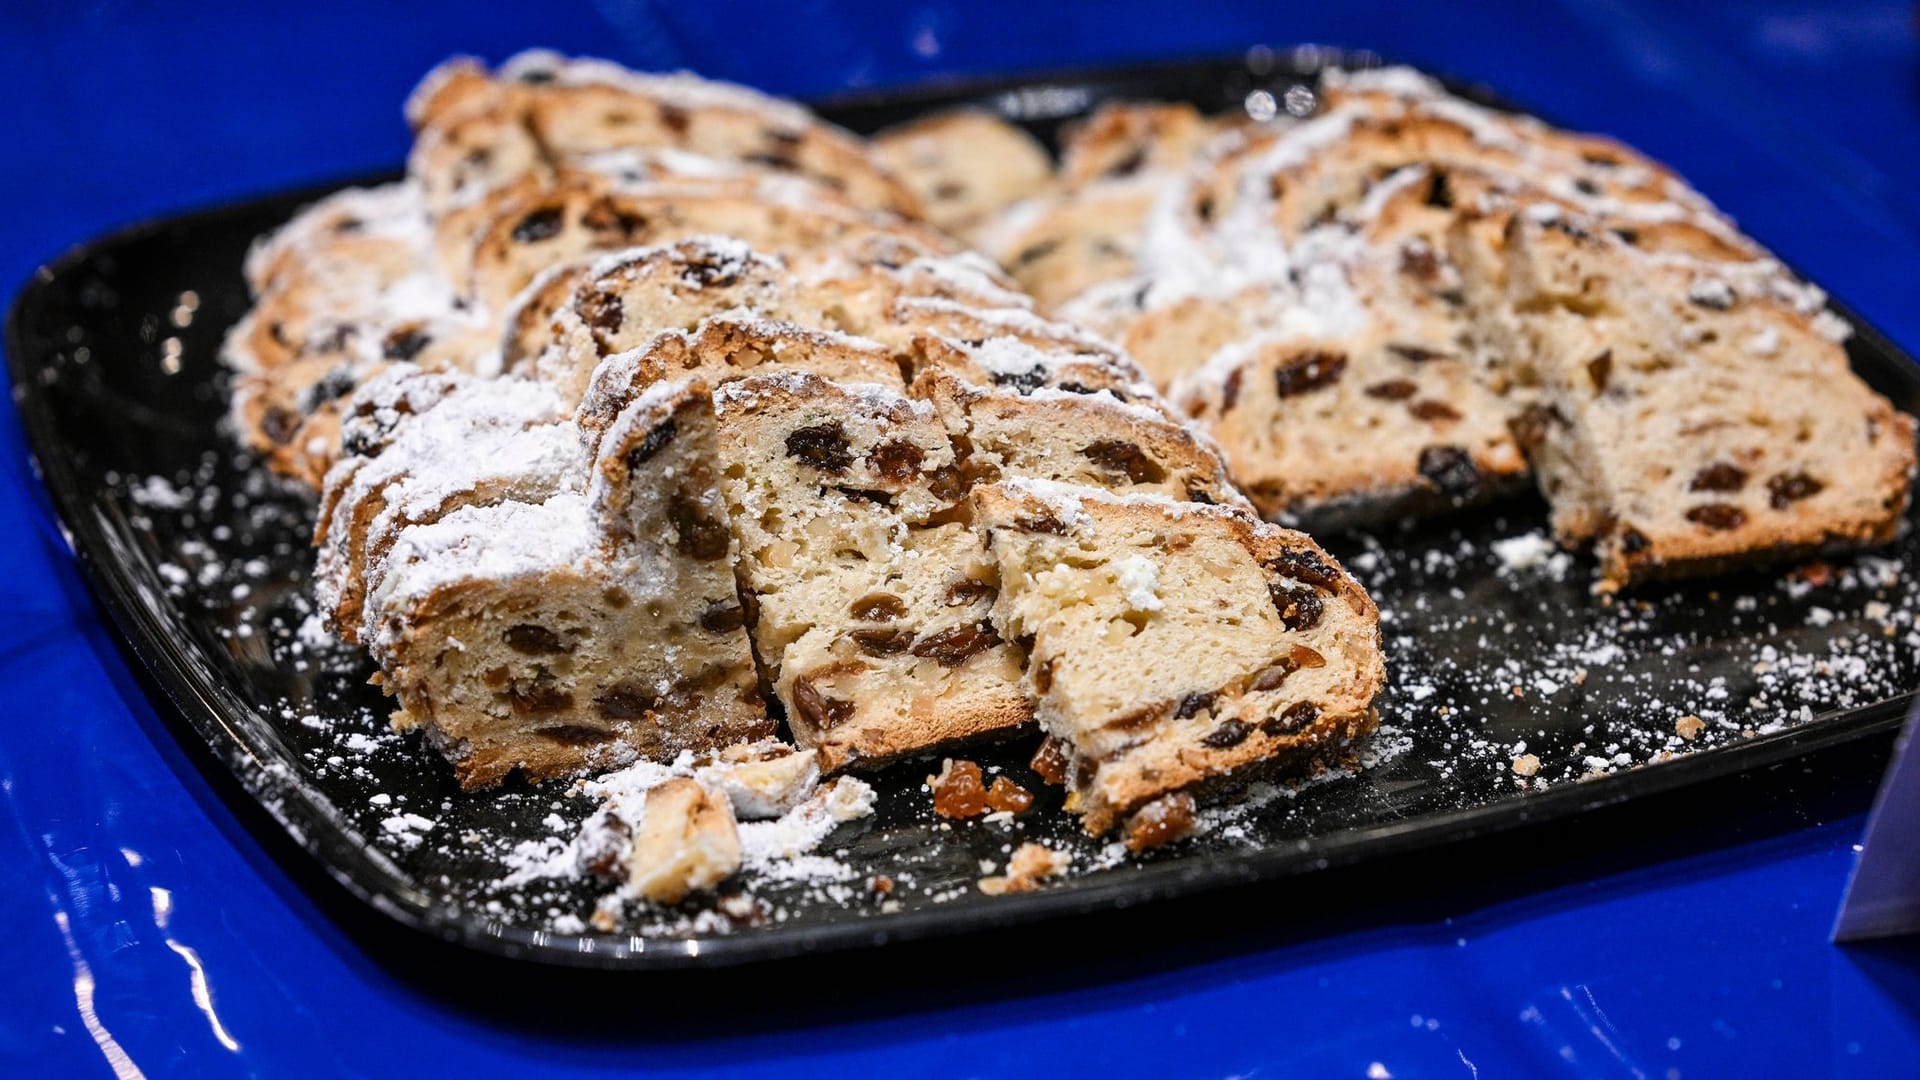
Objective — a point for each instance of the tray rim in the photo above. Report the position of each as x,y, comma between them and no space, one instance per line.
312,826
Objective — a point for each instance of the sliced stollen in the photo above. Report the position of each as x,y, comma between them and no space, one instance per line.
1694,414
1361,394
463,442
965,165
579,631
474,133
1175,647
870,611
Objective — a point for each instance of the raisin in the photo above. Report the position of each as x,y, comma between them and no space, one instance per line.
601,310
1024,382
1203,209
1126,459
957,644
1719,476
1040,523
1585,186
1229,733
1788,488
1439,192
1305,565
959,790
1531,426
1194,704
606,219
1230,389
896,459
1431,410
574,734
655,441
818,710
889,642
539,698
625,701
700,537
280,424
1129,164
1633,541
537,226
675,119
1050,761
1451,470
823,446
1392,390
1416,354
1628,237
772,159
707,271
405,344
1299,605
1419,262
1309,372
1197,493
948,190
968,591
1600,369
1162,821
865,495
1718,517
878,607
1007,796
1296,717
531,640
1035,253
335,384
723,618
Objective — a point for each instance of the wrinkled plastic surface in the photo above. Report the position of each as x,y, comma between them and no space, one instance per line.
153,927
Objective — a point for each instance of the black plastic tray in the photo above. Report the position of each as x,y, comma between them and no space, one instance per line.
113,354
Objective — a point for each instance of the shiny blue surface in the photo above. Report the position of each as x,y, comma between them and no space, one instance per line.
148,928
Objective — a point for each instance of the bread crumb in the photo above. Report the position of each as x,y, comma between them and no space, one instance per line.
1030,864
1527,764
1689,727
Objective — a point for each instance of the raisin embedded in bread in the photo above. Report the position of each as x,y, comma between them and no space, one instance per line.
965,165
1175,646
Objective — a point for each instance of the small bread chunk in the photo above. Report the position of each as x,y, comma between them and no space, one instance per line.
1027,869
686,842
764,779
1691,418
965,165
871,613
1175,646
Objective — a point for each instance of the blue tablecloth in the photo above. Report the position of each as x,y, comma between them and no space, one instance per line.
147,928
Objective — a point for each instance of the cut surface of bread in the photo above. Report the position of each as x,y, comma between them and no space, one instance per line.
1172,645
